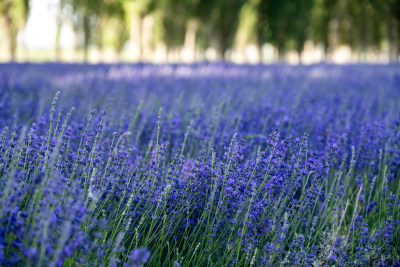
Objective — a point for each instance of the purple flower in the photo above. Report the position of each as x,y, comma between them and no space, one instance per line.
138,257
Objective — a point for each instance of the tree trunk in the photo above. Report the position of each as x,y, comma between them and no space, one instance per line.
189,46
57,48
222,46
397,52
281,55
389,28
74,55
300,48
9,31
100,25
299,55
281,51
140,38
135,36
146,38
393,39
326,47
86,36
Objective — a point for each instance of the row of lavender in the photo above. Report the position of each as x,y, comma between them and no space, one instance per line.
199,165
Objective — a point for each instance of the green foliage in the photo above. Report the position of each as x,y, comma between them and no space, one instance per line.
286,24
219,21
14,14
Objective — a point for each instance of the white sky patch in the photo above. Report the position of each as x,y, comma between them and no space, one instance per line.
41,27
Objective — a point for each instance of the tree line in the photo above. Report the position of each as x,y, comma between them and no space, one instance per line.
364,25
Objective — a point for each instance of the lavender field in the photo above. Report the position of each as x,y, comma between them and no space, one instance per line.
199,165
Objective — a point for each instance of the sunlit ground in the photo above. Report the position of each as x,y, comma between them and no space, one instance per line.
267,55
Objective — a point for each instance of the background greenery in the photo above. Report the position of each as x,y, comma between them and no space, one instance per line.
364,25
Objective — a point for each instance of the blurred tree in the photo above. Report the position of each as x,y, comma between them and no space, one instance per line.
221,19
391,11
275,15
300,24
323,12
14,14
394,28
88,12
172,23
360,25
135,13
247,27
93,18
177,31
111,30
187,25
285,24
178,22
60,19
84,19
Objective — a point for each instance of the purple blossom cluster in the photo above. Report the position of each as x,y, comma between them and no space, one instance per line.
199,165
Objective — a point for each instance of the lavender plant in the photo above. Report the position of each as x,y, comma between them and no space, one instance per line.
199,165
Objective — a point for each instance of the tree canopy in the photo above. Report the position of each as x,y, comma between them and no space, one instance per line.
363,25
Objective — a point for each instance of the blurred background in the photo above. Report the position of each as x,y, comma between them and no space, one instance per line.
242,31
